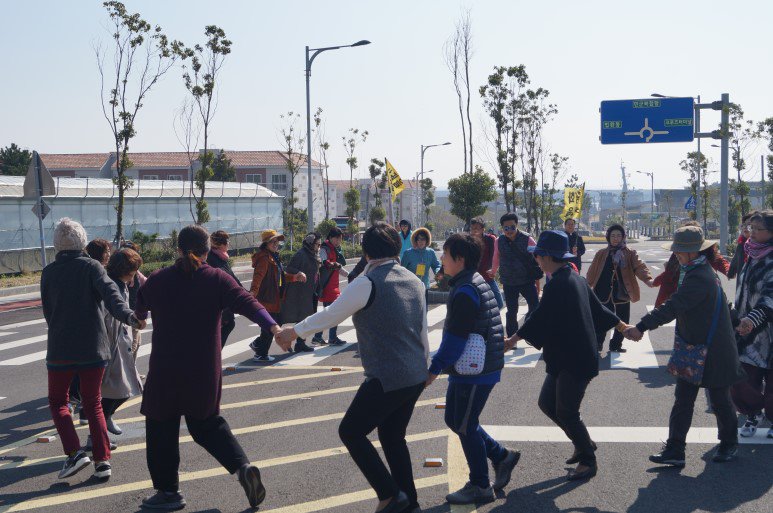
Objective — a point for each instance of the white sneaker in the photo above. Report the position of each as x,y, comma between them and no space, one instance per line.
750,426
263,359
102,470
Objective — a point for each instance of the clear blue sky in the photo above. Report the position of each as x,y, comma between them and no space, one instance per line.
398,88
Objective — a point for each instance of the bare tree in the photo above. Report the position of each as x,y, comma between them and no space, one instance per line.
457,53
292,147
187,129
142,54
206,63
322,147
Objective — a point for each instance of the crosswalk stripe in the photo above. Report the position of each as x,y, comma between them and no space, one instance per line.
652,307
614,434
638,355
68,498
6,333
27,358
122,449
22,324
23,342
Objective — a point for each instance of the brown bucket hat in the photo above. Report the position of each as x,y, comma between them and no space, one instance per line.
688,239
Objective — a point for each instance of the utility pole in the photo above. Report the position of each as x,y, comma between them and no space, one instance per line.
724,193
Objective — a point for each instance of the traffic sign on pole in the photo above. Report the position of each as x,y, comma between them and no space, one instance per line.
691,204
41,209
647,120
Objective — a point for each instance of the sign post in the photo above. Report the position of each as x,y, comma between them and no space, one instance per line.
666,119
39,183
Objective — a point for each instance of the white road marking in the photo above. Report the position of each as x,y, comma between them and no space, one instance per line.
656,267
21,324
23,342
6,333
312,358
652,307
614,434
523,356
639,355
27,358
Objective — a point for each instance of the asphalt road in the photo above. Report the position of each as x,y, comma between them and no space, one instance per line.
286,416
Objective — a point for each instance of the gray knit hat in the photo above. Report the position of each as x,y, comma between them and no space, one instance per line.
689,239
69,235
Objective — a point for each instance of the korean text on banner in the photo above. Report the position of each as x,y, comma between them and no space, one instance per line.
573,202
395,182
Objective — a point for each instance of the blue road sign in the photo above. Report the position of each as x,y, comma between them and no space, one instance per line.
648,120
690,205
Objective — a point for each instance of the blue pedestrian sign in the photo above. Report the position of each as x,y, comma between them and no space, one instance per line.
650,120
690,205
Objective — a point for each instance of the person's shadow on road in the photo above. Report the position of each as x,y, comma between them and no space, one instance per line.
542,497
720,487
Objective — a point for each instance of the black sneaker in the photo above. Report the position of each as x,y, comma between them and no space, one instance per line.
303,348
669,455
319,341
74,464
336,342
725,453
471,494
170,501
102,470
249,477
503,470
620,349
90,445
82,419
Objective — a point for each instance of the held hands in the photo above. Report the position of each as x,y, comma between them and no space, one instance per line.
284,336
745,327
490,274
136,323
632,333
301,277
511,341
430,379
650,284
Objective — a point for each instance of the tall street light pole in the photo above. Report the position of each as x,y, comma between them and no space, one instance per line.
309,61
420,198
652,199
423,150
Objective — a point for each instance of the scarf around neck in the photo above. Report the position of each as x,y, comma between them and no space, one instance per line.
757,250
684,269
618,255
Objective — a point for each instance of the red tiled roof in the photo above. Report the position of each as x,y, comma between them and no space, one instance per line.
263,158
74,160
160,159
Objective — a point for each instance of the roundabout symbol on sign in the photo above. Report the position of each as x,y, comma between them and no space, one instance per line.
647,130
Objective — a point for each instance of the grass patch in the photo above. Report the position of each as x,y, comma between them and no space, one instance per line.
19,280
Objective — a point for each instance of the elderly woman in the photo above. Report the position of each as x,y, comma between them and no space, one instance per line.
301,298
612,276
185,369
702,319
754,305
394,353
73,289
269,284
121,380
218,258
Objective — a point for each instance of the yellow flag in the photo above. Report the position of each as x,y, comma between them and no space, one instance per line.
573,202
394,180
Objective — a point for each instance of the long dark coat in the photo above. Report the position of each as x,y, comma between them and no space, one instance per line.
185,371
692,305
299,299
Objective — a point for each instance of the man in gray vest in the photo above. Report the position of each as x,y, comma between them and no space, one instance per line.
472,319
518,270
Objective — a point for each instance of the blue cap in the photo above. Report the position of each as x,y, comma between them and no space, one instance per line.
554,243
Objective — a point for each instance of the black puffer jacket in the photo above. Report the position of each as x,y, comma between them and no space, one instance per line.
72,289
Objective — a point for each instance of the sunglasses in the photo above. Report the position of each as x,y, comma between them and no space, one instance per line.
509,228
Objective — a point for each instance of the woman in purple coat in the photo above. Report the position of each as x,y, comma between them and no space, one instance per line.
186,301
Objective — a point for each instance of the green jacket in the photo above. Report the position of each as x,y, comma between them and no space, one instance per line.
692,305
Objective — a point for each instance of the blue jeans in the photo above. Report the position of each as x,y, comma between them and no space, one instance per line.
464,403
333,333
497,294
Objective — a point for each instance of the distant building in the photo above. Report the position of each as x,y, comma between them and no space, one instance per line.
265,168
406,205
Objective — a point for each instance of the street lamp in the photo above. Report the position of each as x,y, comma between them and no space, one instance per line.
420,197
424,149
309,61
652,198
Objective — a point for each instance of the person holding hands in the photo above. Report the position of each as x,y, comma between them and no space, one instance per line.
568,346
